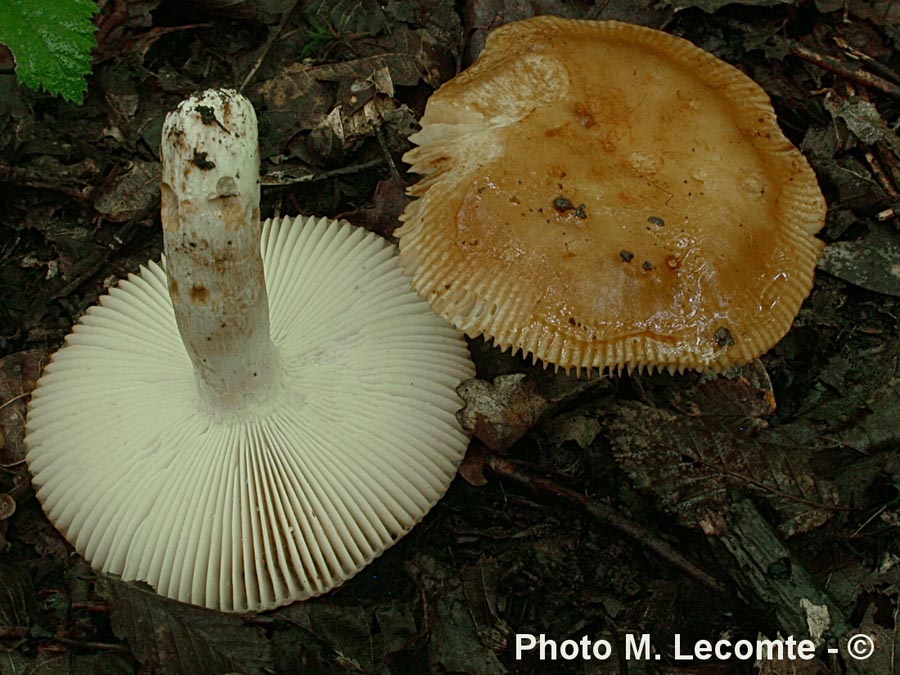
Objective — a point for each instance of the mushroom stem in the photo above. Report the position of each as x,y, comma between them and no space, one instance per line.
211,230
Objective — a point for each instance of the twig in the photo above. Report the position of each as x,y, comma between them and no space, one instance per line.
854,53
14,399
387,153
834,65
276,178
883,153
888,213
23,178
264,52
881,176
88,644
606,515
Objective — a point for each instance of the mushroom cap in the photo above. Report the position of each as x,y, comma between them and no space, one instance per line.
599,194
291,497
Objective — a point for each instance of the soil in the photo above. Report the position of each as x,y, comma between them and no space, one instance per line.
763,503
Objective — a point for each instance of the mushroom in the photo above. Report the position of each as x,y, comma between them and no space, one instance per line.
603,195
256,418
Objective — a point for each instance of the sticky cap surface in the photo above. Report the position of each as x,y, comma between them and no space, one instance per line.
598,194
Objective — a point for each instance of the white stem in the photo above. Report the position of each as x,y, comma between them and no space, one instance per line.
210,217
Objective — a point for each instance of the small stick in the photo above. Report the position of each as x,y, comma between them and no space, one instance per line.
276,178
889,213
264,52
854,53
606,515
881,176
834,65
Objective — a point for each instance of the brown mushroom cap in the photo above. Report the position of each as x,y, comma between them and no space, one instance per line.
599,194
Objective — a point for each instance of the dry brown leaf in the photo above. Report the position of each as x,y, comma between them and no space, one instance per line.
872,262
294,101
299,98
691,463
880,426
743,393
131,193
383,214
19,373
170,637
17,605
711,6
464,632
501,413
346,17
357,118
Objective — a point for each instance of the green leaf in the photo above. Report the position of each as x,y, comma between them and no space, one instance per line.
51,41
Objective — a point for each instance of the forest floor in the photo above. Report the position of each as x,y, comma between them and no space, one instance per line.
757,504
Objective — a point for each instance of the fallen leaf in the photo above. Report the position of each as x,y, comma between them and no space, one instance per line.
17,598
472,467
349,124
464,634
304,98
19,373
711,6
346,17
382,216
439,19
577,427
871,262
691,463
877,630
340,637
739,394
500,413
104,663
13,663
880,426
172,638
343,628
131,193
863,119
294,101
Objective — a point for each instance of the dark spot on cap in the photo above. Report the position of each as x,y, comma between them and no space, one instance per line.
647,266
562,204
724,338
580,211
656,220
626,256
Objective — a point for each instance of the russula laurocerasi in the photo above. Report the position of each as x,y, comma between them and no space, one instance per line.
256,420
598,194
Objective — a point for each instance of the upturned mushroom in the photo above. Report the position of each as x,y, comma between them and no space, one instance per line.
258,417
603,195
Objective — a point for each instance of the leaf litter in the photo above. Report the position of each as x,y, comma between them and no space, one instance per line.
173,638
